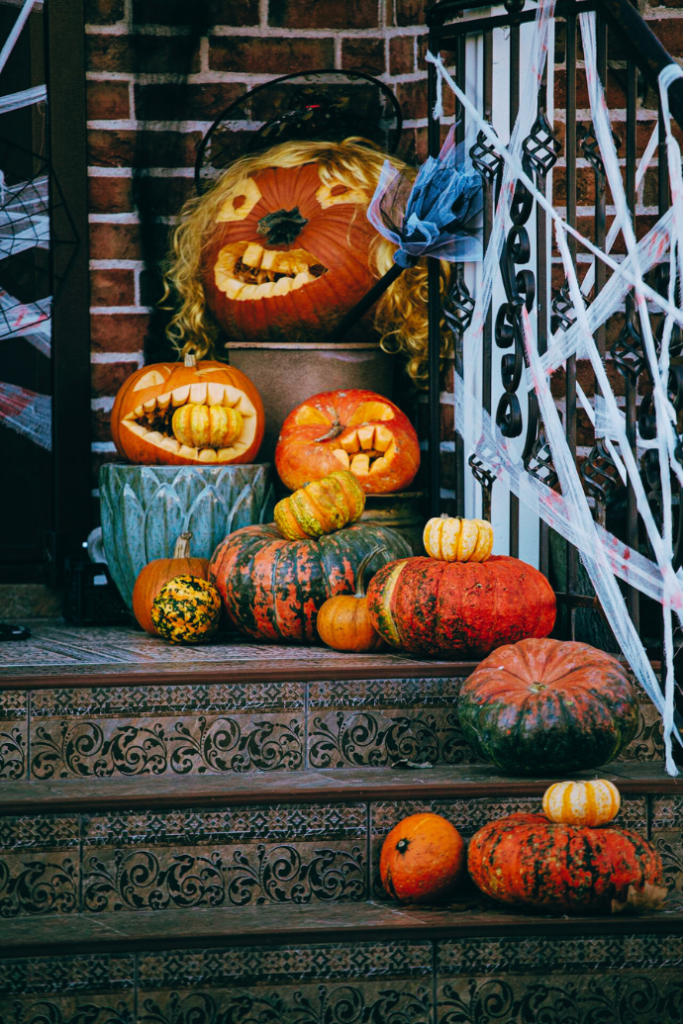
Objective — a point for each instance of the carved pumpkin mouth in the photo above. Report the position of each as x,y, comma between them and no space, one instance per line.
366,449
209,422
247,271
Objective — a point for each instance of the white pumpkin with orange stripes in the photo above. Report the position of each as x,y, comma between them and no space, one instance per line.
582,803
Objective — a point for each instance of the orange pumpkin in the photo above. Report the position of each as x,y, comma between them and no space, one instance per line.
191,414
157,573
288,255
353,429
422,859
344,621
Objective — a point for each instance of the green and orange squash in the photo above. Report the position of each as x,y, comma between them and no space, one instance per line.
527,861
321,507
273,588
460,609
542,706
187,610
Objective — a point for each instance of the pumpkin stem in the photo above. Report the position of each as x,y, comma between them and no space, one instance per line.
360,585
182,546
334,431
190,359
402,845
282,226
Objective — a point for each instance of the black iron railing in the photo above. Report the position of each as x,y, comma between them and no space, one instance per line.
641,57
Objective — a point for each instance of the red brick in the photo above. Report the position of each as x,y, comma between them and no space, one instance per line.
110,195
251,54
198,16
163,197
586,378
413,99
447,423
115,242
143,149
118,332
401,55
185,102
108,101
143,54
100,425
585,186
104,12
364,54
112,288
107,378
409,12
323,14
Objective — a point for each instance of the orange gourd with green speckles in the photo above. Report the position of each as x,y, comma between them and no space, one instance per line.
456,609
187,610
526,860
422,859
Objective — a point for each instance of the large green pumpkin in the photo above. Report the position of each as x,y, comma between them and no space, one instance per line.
547,706
273,588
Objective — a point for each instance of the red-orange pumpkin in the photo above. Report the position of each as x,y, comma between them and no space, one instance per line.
273,588
548,706
525,860
224,426
422,859
154,576
459,609
288,255
352,429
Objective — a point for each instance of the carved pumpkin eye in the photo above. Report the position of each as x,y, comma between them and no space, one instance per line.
337,192
159,375
240,202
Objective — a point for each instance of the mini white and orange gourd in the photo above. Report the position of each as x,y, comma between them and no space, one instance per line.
582,803
458,540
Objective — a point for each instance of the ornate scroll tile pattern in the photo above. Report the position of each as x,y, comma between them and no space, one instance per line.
400,1003
667,836
178,729
39,866
564,999
379,722
13,733
648,743
281,854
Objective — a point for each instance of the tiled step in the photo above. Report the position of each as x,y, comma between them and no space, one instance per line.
221,722
215,842
343,965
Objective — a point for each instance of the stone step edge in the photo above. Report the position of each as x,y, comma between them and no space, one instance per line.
335,785
202,928
221,672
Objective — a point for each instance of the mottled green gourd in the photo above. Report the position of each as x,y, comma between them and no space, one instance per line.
187,610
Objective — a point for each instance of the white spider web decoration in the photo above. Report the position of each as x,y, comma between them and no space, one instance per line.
604,556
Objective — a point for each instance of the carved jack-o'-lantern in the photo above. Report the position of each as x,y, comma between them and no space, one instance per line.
289,255
350,429
175,414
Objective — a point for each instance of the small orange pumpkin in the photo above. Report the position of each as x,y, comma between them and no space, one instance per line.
422,859
589,803
344,621
188,414
157,573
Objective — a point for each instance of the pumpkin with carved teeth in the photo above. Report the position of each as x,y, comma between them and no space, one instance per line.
288,255
175,414
351,429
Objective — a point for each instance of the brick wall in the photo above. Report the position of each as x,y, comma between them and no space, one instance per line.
159,72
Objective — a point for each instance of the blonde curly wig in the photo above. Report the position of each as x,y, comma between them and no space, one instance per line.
400,315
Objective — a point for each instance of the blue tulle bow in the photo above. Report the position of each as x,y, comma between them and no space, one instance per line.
438,215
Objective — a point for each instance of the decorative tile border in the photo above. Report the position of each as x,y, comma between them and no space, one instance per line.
282,964
594,953
667,836
384,693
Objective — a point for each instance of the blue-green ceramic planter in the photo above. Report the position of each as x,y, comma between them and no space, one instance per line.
146,508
